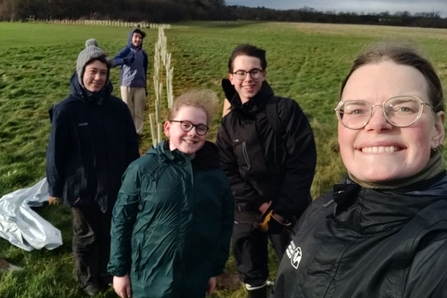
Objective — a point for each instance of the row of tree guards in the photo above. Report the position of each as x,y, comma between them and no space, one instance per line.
161,59
102,23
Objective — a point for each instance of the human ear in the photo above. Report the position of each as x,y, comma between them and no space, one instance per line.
167,129
438,137
231,78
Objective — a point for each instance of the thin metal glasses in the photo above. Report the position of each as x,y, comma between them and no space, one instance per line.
242,74
400,111
201,129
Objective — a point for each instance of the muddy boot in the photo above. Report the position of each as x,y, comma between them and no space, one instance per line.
257,292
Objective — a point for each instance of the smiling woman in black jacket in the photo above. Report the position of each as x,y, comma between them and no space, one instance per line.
383,232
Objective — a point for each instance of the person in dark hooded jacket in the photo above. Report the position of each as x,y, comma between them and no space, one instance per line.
383,231
268,154
92,142
172,224
134,64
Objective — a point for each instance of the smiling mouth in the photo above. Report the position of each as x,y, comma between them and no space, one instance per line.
190,142
380,149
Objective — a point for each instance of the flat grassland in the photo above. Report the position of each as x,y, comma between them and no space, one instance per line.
306,62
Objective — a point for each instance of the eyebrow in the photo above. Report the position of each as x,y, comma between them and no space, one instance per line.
248,70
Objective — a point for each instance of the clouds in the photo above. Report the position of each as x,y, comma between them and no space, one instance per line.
366,6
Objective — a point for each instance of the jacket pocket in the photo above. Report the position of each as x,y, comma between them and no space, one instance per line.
241,153
74,186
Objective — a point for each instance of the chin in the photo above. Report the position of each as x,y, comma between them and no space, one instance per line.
381,176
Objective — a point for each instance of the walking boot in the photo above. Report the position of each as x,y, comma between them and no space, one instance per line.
257,292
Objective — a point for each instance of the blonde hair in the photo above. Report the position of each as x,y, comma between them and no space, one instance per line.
206,100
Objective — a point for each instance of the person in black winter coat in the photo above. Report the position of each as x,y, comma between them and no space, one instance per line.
268,153
92,142
383,231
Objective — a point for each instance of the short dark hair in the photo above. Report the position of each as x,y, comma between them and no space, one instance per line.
248,50
403,55
143,34
103,59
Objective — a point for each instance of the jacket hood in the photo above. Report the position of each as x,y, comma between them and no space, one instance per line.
83,94
251,107
206,157
129,39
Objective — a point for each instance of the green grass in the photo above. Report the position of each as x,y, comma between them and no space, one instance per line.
306,62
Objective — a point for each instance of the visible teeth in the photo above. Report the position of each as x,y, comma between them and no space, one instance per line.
189,142
381,149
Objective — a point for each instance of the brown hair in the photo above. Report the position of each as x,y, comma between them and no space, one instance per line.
206,100
403,55
248,50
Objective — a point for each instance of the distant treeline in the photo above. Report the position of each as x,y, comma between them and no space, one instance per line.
170,11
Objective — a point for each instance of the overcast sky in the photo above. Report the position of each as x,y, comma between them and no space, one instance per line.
413,6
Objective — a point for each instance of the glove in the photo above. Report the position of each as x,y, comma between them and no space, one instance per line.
277,227
262,223
228,89
55,201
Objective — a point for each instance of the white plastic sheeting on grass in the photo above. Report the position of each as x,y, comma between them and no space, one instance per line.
22,226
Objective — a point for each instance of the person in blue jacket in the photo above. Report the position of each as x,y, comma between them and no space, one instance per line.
134,63
92,142
172,224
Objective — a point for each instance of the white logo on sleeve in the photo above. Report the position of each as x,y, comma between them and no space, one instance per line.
294,253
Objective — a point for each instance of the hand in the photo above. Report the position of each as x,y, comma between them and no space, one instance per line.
121,285
211,285
266,210
276,224
55,201
264,207
278,217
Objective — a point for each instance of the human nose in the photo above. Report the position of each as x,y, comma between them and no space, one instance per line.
377,120
248,76
193,131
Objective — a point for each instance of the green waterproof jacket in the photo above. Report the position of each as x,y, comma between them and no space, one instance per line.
172,223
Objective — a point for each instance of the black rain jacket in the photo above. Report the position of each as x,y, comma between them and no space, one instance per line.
262,165
357,242
92,141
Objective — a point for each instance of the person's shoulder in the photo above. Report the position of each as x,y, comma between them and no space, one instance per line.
435,214
65,104
124,49
115,101
145,163
287,103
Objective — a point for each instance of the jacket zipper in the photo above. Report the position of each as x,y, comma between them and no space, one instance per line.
244,152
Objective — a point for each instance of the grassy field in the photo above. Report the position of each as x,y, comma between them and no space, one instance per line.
306,62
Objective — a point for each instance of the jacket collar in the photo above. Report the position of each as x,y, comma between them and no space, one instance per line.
206,157
254,105
369,211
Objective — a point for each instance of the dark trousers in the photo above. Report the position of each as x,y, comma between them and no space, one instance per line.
91,244
250,249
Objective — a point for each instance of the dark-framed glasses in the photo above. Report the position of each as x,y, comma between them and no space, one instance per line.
242,74
201,129
400,111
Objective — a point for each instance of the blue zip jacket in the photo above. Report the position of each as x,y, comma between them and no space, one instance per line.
134,63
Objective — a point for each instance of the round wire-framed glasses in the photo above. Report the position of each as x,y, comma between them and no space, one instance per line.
400,111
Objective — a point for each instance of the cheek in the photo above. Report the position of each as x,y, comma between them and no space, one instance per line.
346,143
